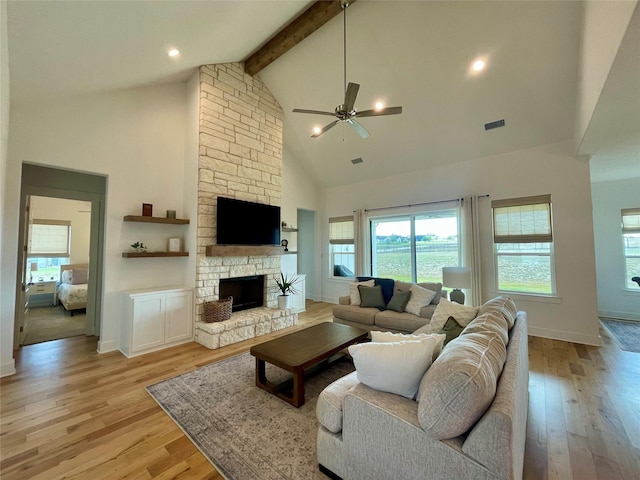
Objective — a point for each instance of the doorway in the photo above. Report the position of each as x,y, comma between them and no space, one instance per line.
307,252
56,185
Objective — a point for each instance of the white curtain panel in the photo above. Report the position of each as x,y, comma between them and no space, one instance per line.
471,245
359,240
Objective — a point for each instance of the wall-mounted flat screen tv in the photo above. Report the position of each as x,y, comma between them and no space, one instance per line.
247,223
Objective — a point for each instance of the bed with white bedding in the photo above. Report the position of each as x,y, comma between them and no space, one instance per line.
72,287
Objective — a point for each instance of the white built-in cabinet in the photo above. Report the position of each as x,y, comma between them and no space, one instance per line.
298,298
156,318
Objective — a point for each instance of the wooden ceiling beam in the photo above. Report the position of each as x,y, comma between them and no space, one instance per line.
300,28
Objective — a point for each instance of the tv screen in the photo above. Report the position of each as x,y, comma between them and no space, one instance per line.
247,223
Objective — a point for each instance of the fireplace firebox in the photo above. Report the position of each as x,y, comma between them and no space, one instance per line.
247,292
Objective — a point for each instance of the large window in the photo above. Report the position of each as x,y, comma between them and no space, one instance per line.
631,245
49,247
342,246
523,244
414,248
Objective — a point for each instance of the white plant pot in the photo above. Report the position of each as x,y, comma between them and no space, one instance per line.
284,301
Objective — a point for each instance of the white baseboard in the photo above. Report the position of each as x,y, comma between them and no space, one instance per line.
330,300
573,337
619,315
108,346
8,368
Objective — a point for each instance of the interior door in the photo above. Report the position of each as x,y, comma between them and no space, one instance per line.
26,280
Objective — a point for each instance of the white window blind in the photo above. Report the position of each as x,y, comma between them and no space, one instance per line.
631,220
522,220
49,238
341,231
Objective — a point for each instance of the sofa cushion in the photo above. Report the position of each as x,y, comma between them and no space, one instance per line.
354,293
503,304
493,321
446,309
420,297
387,285
329,406
405,322
386,337
358,314
395,367
434,287
460,385
452,329
399,301
371,297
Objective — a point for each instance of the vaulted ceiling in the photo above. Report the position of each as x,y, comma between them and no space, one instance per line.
416,54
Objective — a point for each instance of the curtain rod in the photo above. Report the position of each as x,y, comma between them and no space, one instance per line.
420,204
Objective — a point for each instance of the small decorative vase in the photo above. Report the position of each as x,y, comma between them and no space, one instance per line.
284,301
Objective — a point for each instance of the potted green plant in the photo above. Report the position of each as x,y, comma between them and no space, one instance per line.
286,285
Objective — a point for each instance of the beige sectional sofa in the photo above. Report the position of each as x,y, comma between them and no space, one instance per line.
374,319
468,420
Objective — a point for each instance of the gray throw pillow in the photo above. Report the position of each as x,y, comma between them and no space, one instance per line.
399,301
371,296
451,329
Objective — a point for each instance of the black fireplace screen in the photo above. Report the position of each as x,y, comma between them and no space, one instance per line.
247,292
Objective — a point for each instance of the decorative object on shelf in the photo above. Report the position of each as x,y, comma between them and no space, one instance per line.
286,285
456,278
218,310
147,210
139,247
33,268
171,214
174,245
284,224
285,244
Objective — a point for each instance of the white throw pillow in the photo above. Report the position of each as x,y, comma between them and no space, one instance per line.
420,297
386,337
354,293
446,309
66,277
396,367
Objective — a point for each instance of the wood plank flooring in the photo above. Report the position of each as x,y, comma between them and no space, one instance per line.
72,413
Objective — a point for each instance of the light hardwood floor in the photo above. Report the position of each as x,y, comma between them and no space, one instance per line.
72,413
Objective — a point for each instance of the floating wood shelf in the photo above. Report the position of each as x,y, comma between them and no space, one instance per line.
289,229
154,254
242,250
170,221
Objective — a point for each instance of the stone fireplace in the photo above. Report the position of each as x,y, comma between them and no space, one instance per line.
240,157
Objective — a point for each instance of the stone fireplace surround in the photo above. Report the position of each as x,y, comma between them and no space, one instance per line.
240,156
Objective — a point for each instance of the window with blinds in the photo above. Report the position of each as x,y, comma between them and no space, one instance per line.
523,244
49,238
631,245
342,246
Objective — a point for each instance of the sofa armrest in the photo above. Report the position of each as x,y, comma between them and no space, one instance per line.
344,300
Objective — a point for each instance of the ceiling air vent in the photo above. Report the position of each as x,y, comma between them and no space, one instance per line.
355,161
492,125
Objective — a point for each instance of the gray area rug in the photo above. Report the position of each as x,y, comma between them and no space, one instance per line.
45,324
626,334
245,432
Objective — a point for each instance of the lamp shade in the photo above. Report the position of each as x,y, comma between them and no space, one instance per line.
34,266
456,277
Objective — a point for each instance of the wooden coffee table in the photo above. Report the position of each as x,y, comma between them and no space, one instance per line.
316,347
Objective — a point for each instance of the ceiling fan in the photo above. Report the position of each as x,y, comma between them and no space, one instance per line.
347,113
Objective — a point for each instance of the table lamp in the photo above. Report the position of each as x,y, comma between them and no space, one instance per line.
33,268
456,278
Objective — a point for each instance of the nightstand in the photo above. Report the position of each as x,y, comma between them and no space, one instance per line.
42,294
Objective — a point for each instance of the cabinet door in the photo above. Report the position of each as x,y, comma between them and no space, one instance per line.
178,321
148,322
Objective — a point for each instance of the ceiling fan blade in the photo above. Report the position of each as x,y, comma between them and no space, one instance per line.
377,113
325,128
350,96
358,128
315,112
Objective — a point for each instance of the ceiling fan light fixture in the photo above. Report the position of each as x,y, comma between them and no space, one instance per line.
317,130
173,52
379,106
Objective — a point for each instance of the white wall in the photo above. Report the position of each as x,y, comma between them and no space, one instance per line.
136,138
572,315
614,299
72,210
603,28
7,275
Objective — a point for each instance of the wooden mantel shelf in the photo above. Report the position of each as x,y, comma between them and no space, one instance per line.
154,254
141,219
242,250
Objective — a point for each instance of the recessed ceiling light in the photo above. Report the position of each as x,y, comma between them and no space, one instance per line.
379,105
317,130
174,52
478,65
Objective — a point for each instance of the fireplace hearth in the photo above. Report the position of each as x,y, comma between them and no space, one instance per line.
247,292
